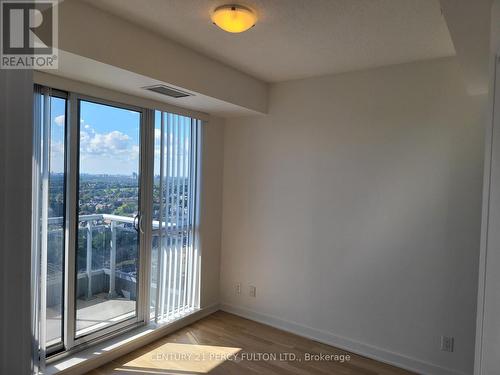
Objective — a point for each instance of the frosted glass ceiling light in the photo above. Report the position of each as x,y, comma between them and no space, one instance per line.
234,18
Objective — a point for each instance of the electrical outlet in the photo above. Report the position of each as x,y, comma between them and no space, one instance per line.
252,291
237,289
447,343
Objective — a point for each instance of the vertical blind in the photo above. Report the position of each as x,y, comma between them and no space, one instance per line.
175,263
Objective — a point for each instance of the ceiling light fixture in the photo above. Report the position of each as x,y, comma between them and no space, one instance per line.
234,18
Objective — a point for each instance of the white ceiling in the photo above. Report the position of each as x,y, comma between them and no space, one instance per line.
300,38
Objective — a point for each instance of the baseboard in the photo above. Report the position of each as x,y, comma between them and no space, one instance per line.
366,350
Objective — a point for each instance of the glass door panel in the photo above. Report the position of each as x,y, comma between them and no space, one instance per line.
52,203
107,250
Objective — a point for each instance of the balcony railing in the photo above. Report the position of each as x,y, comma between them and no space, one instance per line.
107,262
99,272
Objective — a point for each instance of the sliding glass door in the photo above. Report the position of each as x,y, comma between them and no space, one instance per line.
107,249
115,218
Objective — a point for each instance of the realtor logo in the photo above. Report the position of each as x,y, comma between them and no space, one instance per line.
28,34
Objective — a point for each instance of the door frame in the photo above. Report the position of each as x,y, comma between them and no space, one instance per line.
146,132
486,351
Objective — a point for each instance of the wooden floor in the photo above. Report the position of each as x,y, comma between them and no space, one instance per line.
223,343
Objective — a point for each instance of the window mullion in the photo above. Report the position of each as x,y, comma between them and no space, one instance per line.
71,229
146,203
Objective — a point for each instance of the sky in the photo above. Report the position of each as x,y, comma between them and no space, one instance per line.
109,139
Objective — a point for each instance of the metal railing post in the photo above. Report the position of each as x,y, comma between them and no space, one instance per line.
89,259
112,261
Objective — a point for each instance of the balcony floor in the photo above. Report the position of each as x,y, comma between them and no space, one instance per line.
93,314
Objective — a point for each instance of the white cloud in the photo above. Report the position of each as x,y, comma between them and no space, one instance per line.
115,144
57,147
59,120
56,156
157,134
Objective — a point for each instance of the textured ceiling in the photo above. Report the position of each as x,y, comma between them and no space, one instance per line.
300,38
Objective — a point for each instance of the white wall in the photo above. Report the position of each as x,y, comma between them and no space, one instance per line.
469,27
211,209
354,207
16,120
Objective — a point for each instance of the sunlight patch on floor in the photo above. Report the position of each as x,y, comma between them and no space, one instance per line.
174,358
